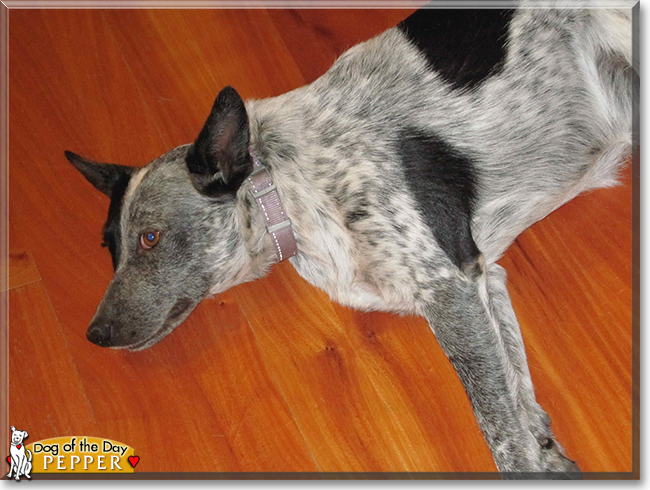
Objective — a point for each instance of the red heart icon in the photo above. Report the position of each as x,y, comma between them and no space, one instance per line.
19,446
134,460
9,459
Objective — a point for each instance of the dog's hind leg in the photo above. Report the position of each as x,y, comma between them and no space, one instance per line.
538,420
475,326
28,463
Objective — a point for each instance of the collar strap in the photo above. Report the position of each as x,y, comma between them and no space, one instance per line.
278,224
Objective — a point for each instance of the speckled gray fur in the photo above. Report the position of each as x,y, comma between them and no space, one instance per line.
553,122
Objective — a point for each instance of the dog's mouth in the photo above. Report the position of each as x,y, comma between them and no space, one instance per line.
179,312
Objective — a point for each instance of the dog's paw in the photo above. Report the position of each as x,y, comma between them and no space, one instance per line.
543,459
556,464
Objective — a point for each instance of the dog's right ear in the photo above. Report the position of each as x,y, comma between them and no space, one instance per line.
104,176
219,160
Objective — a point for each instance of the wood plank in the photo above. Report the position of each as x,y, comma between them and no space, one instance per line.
46,395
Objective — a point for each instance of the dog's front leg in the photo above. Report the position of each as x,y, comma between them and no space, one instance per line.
21,467
472,328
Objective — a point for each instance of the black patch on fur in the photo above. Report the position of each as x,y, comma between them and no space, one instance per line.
112,231
443,182
465,46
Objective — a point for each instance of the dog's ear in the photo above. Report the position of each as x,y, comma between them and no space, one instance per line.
219,160
104,176
25,434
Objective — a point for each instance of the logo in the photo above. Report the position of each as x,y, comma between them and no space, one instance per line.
78,454
20,458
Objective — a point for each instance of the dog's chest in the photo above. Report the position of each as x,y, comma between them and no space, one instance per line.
16,451
380,256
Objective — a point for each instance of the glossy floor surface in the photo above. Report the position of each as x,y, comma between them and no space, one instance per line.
271,375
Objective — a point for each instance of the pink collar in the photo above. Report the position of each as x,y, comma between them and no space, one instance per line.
278,224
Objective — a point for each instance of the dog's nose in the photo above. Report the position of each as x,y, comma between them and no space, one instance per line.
100,334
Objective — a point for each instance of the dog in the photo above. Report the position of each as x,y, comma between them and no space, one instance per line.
21,458
394,182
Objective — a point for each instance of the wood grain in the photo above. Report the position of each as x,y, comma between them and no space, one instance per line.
22,269
270,376
46,394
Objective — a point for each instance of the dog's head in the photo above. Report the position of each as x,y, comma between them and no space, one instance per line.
172,229
17,436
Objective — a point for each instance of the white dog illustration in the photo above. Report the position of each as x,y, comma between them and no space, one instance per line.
21,463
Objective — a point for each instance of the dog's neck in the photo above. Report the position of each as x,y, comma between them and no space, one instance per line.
274,138
265,194
258,252
285,144
261,249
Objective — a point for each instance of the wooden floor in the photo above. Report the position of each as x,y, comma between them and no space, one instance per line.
271,375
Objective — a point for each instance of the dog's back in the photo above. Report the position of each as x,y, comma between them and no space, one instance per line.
471,151
539,101
551,119
555,122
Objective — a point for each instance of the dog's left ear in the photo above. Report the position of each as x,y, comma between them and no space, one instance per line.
104,176
25,434
219,160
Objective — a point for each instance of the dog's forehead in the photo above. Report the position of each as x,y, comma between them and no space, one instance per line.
170,166
161,195
163,180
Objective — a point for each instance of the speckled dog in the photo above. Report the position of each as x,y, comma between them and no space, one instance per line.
406,171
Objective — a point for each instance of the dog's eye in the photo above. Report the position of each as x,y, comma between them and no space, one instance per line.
149,239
